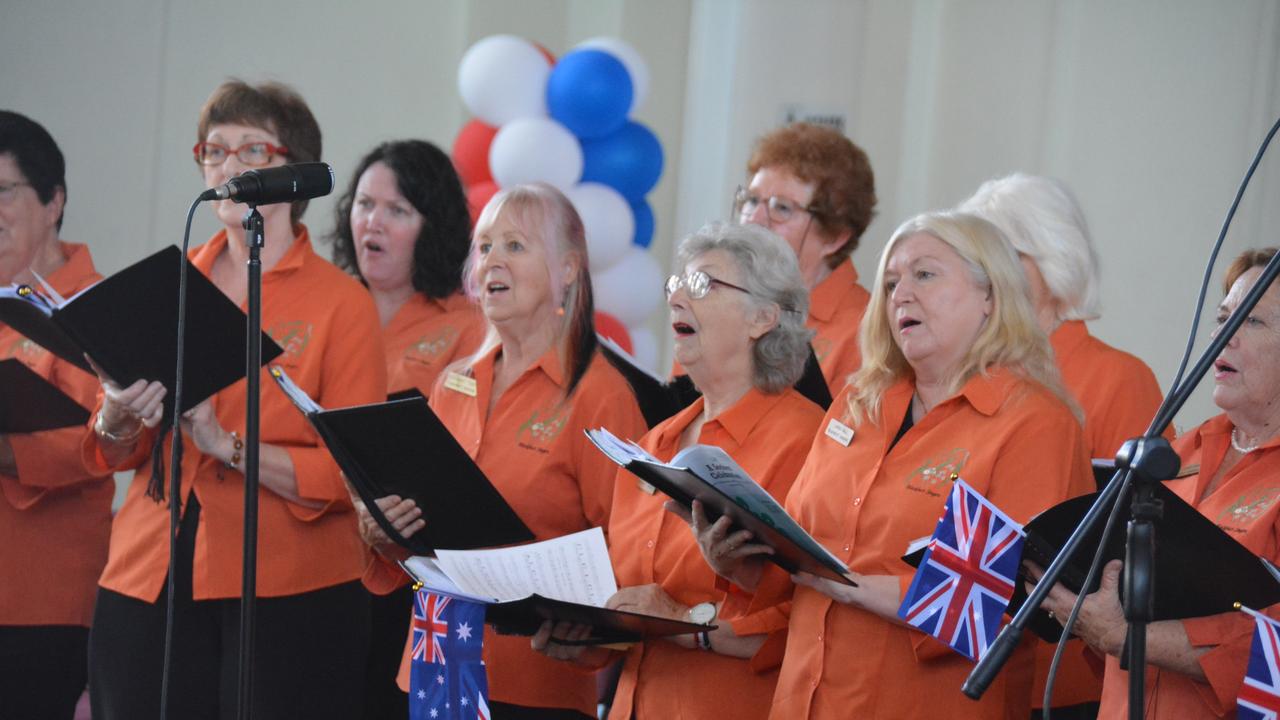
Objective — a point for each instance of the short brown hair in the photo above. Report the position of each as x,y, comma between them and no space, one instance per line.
844,194
1244,262
271,106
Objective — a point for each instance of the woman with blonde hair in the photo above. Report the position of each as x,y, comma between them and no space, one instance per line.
957,381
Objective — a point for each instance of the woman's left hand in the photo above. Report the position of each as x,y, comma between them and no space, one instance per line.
1101,622
648,600
200,423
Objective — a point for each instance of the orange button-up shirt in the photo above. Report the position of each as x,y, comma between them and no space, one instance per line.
328,326
532,448
426,335
769,436
1246,505
55,517
1015,443
1119,396
836,307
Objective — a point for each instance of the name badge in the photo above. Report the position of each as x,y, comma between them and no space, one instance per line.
458,382
839,432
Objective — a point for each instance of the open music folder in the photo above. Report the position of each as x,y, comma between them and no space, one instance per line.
401,448
567,578
708,474
128,324
29,403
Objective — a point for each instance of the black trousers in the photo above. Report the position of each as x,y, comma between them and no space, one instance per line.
389,627
503,711
309,651
42,670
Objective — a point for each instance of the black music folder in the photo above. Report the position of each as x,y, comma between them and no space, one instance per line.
401,448
128,324
707,473
1200,569
29,403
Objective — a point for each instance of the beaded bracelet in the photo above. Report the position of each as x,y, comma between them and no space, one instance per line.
236,446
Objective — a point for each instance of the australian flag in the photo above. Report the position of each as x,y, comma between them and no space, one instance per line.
1260,695
963,585
447,677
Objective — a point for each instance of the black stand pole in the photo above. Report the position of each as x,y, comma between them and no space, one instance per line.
253,364
1150,459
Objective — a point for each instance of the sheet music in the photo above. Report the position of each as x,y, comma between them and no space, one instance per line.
574,567
299,397
618,450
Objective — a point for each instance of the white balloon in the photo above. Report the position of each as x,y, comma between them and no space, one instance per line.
535,149
631,289
627,55
504,77
644,348
608,221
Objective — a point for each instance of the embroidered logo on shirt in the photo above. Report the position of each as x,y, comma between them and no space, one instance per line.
430,347
936,473
1247,509
542,428
292,335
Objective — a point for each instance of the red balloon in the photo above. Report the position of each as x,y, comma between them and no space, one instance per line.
551,59
478,196
612,328
471,152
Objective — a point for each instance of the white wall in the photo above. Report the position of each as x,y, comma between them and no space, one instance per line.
1150,109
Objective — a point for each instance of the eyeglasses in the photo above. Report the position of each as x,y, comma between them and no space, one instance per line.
9,191
778,209
253,154
697,284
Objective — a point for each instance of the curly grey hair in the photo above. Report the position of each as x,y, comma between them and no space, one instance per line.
771,276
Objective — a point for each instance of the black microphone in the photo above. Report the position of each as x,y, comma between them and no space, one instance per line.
300,181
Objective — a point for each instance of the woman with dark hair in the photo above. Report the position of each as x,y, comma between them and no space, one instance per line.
55,517
402,228
519,405
312,615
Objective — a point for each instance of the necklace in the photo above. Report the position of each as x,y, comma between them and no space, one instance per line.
1242,449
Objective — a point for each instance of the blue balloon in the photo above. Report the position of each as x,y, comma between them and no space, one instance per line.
644,222
589,92
629,161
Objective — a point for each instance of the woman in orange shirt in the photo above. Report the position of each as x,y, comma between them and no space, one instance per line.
815,189
306,664
737,310
1196,667
402,228
1117,391
54,516
519,406
957,382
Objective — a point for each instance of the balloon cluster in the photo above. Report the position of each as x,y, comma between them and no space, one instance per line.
567,123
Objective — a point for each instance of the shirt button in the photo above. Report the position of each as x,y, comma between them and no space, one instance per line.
819,637
813,683
649,544
846,548
857,501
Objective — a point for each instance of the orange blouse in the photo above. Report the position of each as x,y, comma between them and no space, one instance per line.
1245,506
532,448
1012,441
427,335
836,307
55,517
328,326
1119,396
769,436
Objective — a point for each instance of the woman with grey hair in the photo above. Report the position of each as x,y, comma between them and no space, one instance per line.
738,305
1117,392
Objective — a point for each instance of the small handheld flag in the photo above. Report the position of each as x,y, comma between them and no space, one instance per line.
1259,697
447,678
965,580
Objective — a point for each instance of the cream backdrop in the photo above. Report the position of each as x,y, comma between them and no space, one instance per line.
1150,109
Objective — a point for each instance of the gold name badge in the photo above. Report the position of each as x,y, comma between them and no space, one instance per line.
839,432
458,382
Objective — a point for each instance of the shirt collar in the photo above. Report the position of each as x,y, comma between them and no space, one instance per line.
1067,337
739,420
549,364
297,254
75,271
987,392
829,295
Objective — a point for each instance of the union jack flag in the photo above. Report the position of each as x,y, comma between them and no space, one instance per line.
1259,697
447,629
964,582
428,627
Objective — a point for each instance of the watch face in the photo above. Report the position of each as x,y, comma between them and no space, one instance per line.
703,613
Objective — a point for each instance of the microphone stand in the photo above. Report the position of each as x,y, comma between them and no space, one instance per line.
1150,460
253,376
